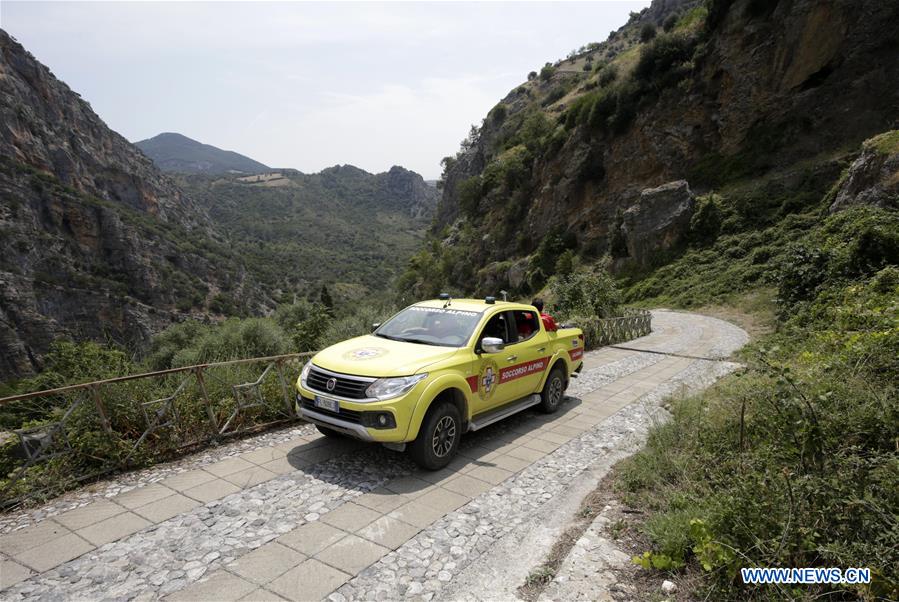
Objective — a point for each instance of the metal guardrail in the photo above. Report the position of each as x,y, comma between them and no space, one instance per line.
81,432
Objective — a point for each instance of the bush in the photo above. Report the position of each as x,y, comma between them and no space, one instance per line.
532,75
554,95
498,113
670,23
547,72
608,75
665,60
647,32
508,171
566,263
356,324
705,224
469,193
586,293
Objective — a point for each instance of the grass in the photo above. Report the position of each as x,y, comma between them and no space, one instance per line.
886,143
792,461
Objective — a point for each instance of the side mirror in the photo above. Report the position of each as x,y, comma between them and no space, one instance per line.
492,344
375,326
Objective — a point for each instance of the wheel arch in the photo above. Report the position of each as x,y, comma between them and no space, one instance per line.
449,391
559,362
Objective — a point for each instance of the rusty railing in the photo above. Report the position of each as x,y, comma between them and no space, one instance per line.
56,439
633,324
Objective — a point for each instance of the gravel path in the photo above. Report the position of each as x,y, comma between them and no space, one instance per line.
446,535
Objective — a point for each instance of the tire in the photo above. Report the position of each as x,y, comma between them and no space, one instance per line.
553,392
328,432
438,438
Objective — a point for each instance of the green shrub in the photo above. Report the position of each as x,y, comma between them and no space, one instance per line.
647,32
670,23
498,113
168,343
508,171
547,72
586,293
555,95
665,60
565,265
705,223
469,194
356,324
608,75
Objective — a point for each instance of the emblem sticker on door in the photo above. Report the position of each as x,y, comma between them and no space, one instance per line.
488,379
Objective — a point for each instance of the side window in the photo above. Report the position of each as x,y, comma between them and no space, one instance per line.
526,325
497,326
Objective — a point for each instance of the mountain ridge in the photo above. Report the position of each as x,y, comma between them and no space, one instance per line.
174,152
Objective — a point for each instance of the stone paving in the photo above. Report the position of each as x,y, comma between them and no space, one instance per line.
301,517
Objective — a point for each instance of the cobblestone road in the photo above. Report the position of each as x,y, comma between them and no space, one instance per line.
293,515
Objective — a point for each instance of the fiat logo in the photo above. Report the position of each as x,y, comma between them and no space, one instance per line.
332,382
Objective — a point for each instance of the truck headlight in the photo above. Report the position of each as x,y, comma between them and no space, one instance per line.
388,388
305,373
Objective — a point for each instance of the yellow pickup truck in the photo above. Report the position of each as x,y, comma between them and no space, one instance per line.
438,369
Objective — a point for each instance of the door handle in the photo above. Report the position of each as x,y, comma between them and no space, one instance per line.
542,349
511,358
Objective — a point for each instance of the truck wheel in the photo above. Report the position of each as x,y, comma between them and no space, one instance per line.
438,438
328,432
553,391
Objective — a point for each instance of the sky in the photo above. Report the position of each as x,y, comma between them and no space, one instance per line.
305,85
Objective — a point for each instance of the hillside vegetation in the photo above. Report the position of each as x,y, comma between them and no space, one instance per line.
342,227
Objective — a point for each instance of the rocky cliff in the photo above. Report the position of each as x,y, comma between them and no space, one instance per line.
95,242
711,94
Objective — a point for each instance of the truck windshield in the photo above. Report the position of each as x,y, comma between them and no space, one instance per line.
447,327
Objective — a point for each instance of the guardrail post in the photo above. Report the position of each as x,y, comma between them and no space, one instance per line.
288,402
101,411
198,372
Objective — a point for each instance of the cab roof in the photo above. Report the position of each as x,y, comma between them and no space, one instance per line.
478,305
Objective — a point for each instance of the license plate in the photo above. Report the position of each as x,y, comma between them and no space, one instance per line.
326,403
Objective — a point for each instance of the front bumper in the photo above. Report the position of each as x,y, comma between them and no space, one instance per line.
347,428
353,418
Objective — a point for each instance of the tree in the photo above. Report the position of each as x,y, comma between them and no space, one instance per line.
647,32
547,72
325,298
670,23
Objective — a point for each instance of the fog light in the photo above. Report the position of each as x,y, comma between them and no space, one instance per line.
378,420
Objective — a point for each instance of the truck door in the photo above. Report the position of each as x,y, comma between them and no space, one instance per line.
527,358
487,391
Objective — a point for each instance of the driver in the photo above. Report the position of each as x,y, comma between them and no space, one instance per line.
549,323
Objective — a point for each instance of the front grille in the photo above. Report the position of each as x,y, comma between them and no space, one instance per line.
346,386
344,414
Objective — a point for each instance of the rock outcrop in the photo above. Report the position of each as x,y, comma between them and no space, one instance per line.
873,178
658,222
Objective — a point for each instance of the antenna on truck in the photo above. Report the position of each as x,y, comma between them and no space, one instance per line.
445,297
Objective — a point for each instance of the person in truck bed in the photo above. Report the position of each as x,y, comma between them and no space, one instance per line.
549,323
